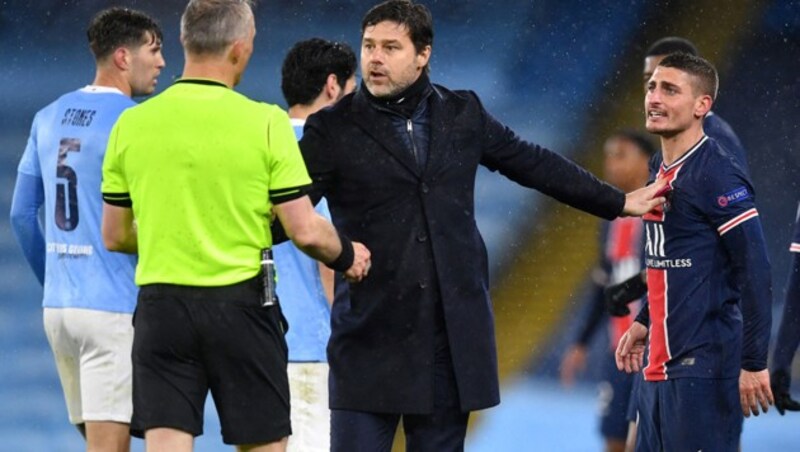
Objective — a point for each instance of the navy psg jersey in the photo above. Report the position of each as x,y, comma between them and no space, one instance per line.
695,317
718,129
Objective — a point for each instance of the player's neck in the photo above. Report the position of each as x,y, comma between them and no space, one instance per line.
112,80
300,111
675,146
210,68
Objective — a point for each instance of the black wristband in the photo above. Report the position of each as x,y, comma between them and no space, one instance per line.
345,260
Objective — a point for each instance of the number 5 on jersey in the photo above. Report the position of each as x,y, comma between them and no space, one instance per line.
66,214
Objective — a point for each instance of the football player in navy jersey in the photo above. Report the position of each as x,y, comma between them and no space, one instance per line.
627,153
708,279
788,333
620,294
617,296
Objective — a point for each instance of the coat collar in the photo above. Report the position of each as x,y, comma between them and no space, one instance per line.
376,124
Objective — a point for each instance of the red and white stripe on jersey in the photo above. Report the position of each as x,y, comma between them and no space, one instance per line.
623,239
794,248
658,352
736,221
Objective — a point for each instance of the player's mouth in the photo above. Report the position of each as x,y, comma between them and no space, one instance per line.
376,76
654,114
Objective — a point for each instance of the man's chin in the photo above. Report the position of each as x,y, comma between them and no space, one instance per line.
143,92
379,91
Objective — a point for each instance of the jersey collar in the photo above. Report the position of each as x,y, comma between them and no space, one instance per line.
101,89
201,81
685,156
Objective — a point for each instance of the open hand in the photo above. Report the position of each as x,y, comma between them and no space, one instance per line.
754,390
630,350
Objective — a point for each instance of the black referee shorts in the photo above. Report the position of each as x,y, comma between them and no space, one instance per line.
189,340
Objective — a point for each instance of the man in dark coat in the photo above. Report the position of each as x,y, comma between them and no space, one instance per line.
397,163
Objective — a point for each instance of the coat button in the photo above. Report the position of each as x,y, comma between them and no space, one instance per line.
424,188
421,237
423,284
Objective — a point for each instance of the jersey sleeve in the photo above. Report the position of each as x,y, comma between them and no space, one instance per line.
29,163
596,310
25,203
534,166
730,205
115,186
288,175
322,209
727,196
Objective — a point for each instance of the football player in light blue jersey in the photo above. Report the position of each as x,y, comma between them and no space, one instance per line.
89,293
315,74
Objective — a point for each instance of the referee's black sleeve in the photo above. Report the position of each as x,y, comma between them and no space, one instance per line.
288,194
118,199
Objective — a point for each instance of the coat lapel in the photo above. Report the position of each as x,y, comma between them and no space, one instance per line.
378,125
441,121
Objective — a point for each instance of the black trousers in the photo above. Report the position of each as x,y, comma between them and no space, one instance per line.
441,431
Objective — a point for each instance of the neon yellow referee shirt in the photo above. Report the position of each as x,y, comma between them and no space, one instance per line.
201,165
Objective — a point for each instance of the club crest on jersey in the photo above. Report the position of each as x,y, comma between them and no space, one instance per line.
667,206
733,196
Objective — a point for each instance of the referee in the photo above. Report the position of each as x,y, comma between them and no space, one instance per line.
199,167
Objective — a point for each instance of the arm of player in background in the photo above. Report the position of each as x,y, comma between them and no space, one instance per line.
617,296
119,230
326,276
787,343
27,199
747,249
574,360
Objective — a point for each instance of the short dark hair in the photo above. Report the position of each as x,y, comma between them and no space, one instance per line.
308,65
639,139
120,27
416,17
700,68
671,44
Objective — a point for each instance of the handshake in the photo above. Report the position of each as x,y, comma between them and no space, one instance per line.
362,262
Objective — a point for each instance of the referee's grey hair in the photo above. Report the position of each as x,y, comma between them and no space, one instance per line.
210,26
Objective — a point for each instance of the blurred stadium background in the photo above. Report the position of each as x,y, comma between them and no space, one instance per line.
562,73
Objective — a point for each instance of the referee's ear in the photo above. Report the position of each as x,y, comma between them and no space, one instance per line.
239,52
